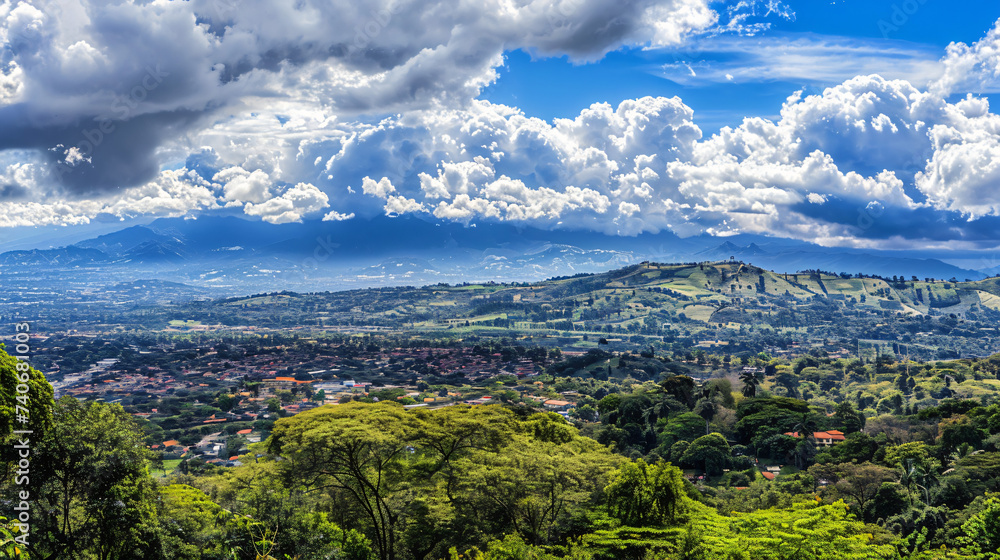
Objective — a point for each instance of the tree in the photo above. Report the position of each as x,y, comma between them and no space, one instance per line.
24,392
532,487
803,453
858,482
897,455
858,447
805,426
273,404
848,419
640,494
359,448
917,473
889,500
682,427
706,408
94,485
190,528
960,430
680,387
805,450
751,379
981,533
710,450
225,402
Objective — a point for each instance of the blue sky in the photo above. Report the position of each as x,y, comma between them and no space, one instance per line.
846,123
550,87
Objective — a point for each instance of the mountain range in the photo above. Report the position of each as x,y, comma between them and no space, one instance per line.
239,256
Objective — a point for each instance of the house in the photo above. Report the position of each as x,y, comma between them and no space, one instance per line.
823,439
557,405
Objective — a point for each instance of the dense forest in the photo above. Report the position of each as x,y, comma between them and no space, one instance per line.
661,468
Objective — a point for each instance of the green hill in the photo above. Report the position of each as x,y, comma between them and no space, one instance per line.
717,303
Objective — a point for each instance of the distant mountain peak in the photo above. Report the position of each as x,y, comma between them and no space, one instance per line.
729,249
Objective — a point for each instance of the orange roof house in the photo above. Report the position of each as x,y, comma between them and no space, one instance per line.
823,439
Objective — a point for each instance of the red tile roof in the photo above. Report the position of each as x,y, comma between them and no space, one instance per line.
830,434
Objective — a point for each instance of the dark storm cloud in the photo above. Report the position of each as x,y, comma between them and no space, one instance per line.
75,62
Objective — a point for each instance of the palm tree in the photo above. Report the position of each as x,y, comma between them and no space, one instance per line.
963,451
917,474
925,478
751,380
805,426
805,450
706,408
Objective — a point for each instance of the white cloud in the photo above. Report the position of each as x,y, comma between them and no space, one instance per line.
799,58
397,205
290,206
157,73
381,189
334,216
964,171
171,194
241,92
244,186
971,68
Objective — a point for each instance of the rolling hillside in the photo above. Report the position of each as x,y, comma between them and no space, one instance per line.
697,304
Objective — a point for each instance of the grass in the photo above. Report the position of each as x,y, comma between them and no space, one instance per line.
169,466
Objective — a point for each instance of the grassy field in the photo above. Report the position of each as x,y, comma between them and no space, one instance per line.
169,465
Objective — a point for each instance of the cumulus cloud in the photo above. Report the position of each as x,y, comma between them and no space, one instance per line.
100,88
170,194
971,68
397,205
240,185
806,175
290,206
381,189
280,111
334,216
646,159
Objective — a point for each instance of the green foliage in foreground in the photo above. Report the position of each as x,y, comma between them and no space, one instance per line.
376,481
805,531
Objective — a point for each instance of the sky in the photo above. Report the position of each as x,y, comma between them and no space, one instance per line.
851,123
